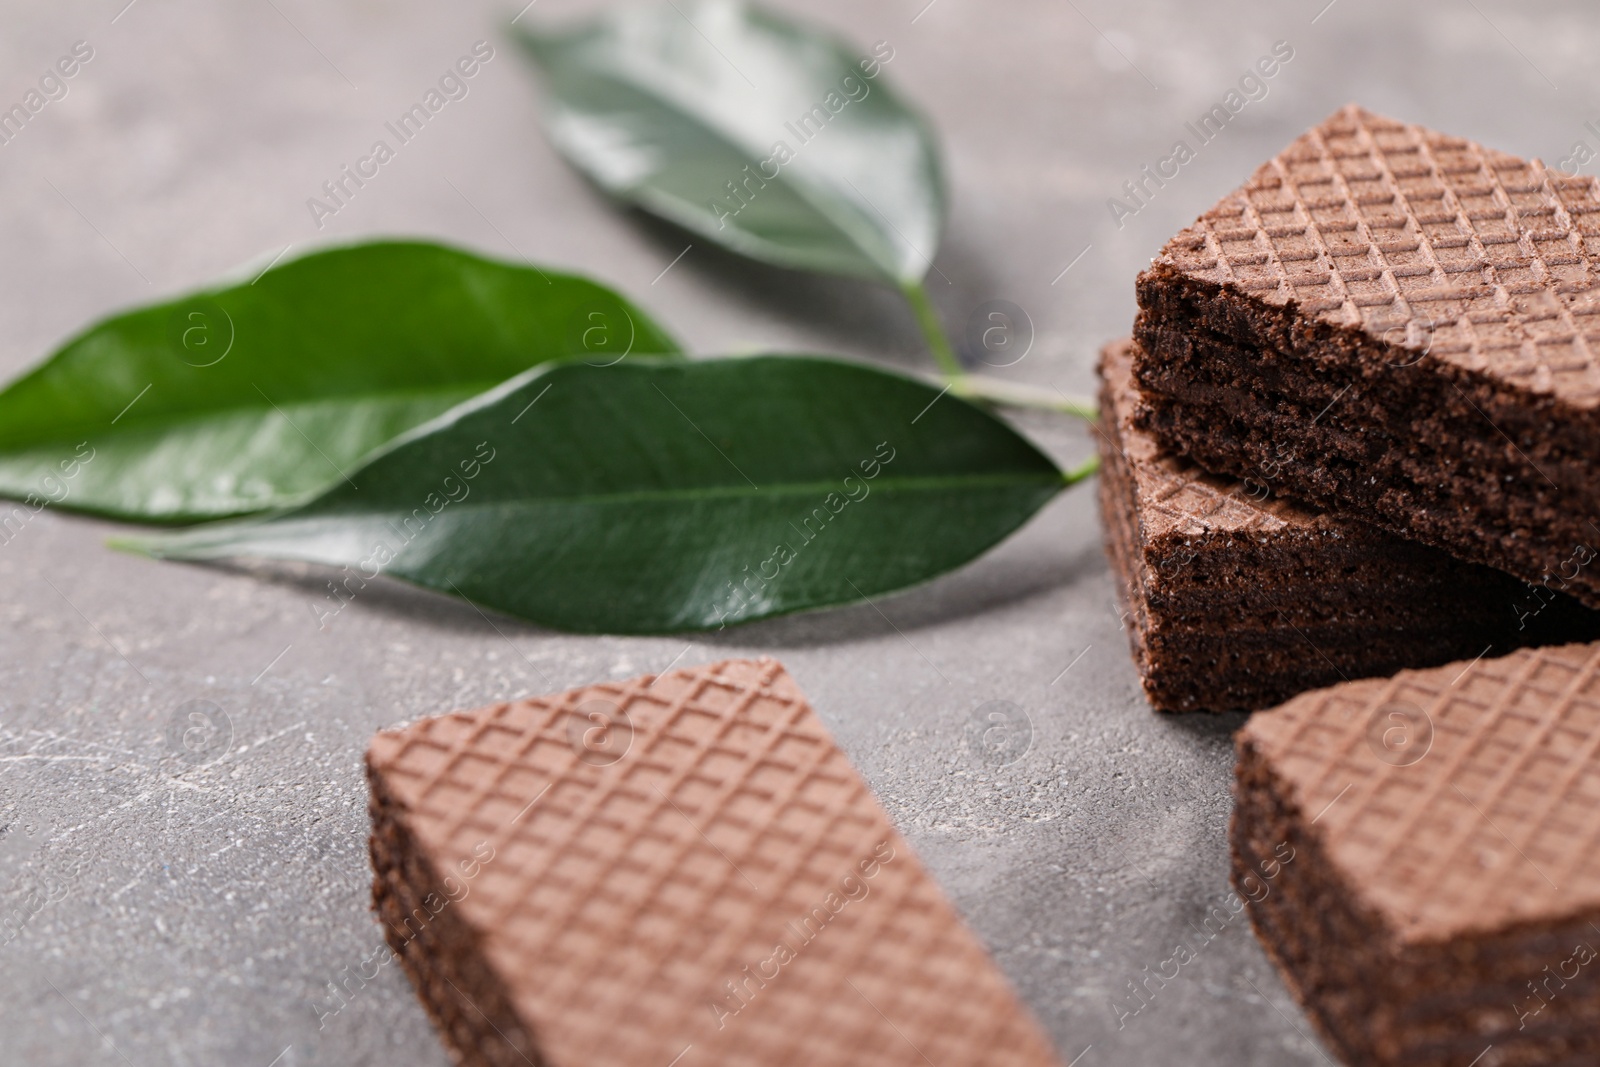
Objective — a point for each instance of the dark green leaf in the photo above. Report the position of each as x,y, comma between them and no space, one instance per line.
757,132
635,498
257,395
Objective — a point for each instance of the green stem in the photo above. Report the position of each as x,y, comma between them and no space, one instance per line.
1015,395
932,329
1081,471
976,387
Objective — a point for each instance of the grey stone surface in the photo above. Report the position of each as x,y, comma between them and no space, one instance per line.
176,912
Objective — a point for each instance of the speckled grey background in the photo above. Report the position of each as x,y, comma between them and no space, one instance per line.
157,911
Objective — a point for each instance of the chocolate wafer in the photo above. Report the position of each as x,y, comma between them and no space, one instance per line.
1421,855
1234,598
1399,325
680,870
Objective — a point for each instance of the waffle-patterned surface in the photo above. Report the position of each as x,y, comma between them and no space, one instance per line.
1455,800
1175,496
1484,260
697,876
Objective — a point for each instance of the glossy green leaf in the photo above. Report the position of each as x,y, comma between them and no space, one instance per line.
757,132
257,395
656,496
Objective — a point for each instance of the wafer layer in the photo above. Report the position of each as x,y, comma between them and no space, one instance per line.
1237,599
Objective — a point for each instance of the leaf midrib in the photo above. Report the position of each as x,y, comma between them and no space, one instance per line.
812,490
172,421
787,176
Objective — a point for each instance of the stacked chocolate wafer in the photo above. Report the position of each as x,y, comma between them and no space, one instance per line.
1355,428
1356,431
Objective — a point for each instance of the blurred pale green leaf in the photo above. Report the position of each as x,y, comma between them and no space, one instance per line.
756,131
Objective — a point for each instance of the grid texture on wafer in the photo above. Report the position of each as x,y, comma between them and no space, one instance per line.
1458,800
1481,259
656,841
1176,496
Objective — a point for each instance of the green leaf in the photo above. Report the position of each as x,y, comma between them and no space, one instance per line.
665,105
635,498
257,395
